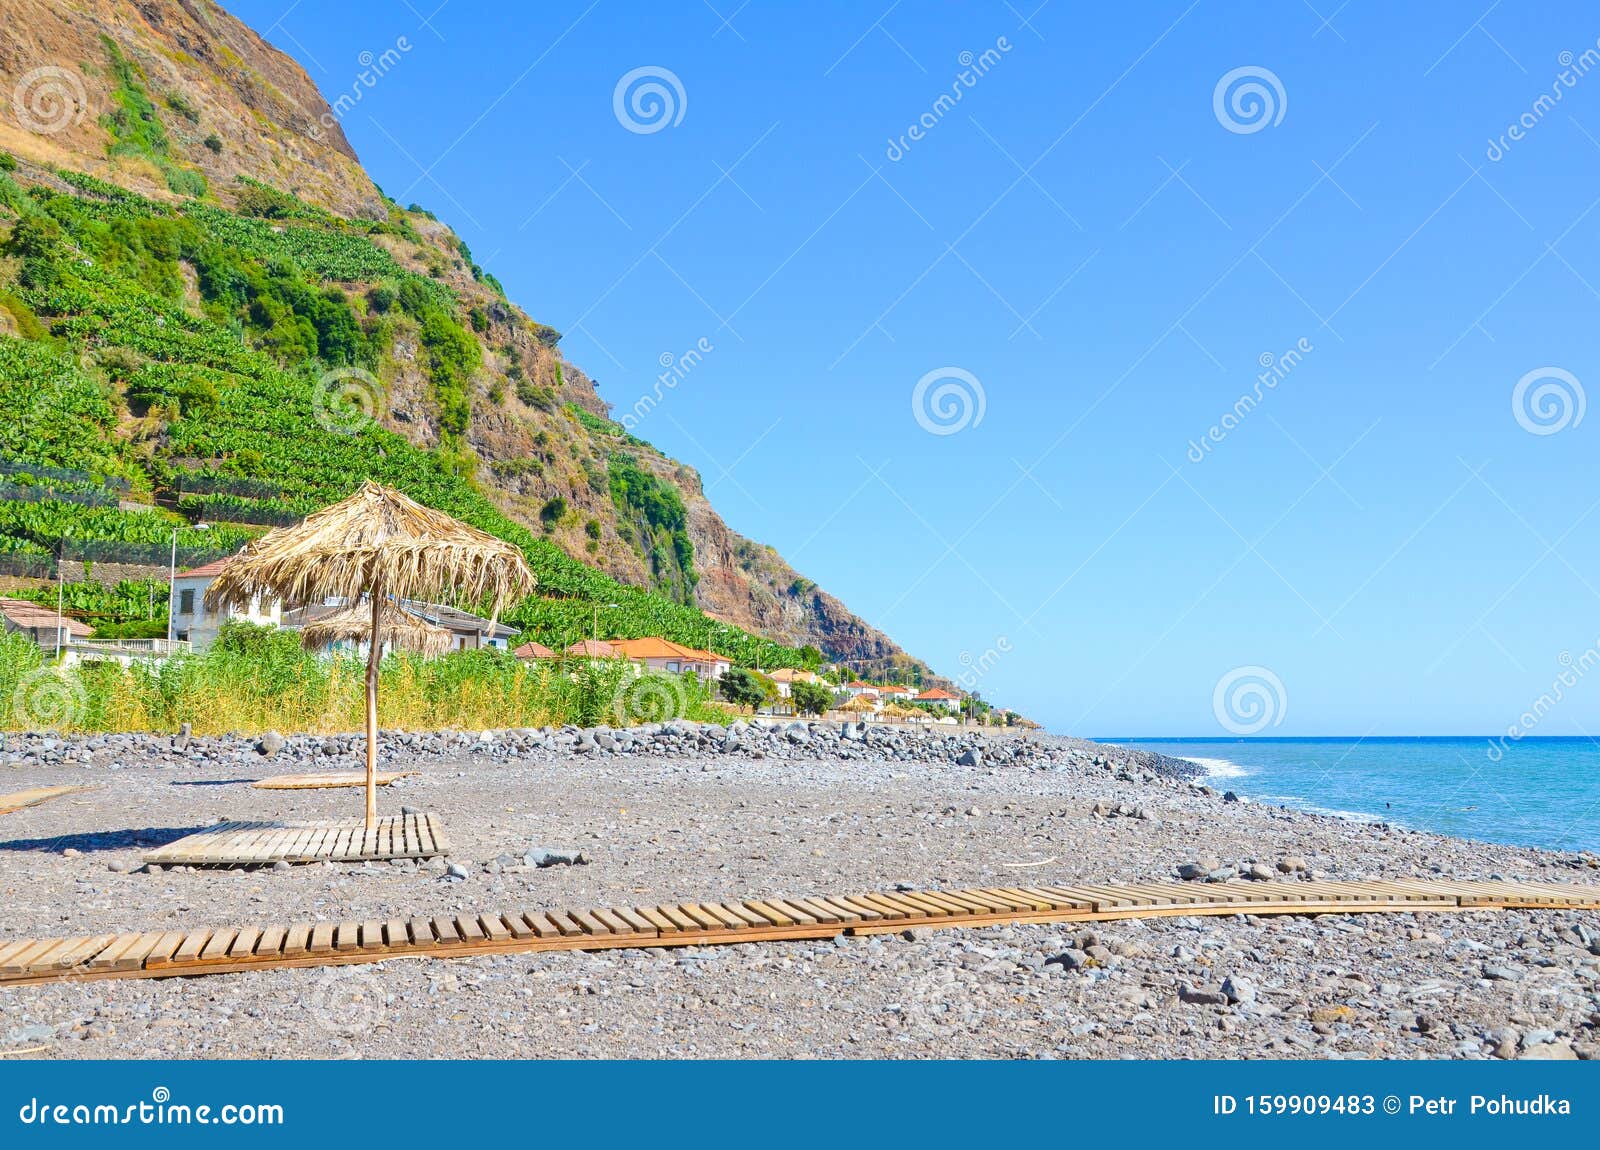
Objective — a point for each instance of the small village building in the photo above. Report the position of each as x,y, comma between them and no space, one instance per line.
663,655
786,677
41,624
191,620
940,698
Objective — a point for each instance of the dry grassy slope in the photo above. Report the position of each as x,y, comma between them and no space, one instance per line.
270,118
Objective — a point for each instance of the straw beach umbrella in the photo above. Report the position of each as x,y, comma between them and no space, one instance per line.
382,545
859,704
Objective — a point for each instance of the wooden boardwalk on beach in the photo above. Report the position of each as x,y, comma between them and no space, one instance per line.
33,797
327,781
305,841
159,954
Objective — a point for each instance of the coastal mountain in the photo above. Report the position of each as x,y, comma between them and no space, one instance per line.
239,324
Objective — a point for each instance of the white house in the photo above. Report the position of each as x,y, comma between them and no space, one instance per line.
191,620
941,699
786,677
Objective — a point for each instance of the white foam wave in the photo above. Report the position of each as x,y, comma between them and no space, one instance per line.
1220,768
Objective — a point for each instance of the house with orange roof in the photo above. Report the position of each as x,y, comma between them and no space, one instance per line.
665,656
532,650
897,692
593,649
191,620
786,677
940,698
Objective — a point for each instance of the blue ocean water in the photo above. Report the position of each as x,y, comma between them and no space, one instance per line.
1542,792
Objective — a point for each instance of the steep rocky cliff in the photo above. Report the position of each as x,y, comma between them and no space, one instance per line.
180,102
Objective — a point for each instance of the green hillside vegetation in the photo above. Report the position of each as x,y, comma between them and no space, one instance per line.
207,404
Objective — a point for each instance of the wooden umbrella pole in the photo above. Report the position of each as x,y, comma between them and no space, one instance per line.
374,654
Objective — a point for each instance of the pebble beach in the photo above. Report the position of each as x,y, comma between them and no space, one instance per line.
570,818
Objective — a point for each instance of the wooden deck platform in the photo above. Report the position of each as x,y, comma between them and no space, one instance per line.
36,795
306,841
327,781
161,954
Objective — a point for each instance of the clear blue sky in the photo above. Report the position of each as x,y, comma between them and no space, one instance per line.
1110,261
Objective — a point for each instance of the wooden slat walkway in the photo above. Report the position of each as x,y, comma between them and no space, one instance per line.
158,954
304,841
34,796
327,781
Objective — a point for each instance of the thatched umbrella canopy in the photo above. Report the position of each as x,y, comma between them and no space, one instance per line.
383,545
896,711
858,704
401,630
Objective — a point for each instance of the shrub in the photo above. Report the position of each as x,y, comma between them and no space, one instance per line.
182,105
745,688
810,698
